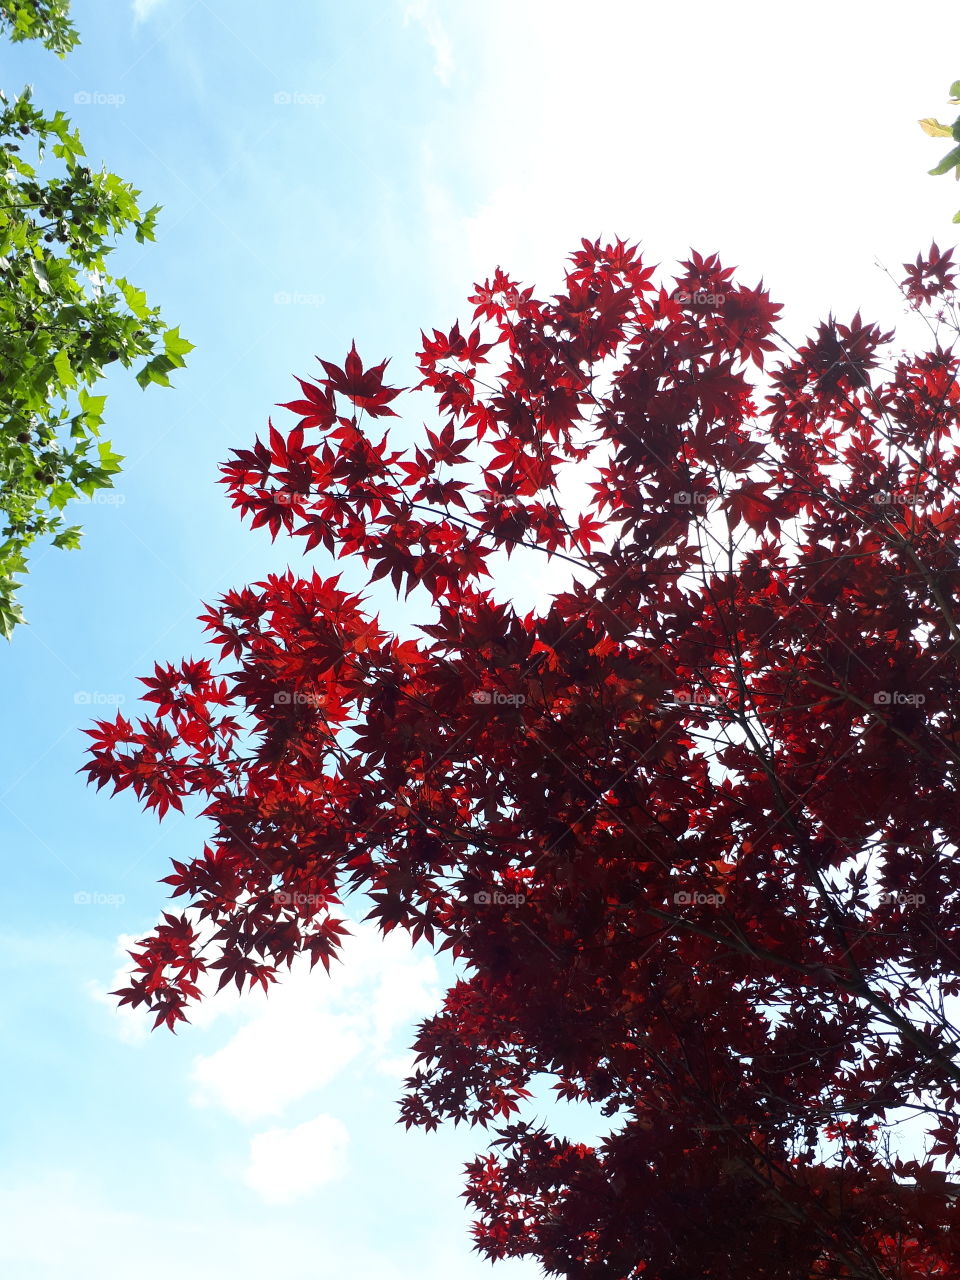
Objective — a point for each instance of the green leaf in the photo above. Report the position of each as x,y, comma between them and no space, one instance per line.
40,275
147,225
69,539
174,345
61,362
92,406
948,162
11,615
109,460
156,370
136,299
60,495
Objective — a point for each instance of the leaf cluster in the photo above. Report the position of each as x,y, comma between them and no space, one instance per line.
44,20
64,320
934,129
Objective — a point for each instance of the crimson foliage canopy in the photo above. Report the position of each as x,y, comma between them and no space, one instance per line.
691,830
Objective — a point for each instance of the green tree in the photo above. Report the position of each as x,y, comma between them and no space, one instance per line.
937,130
63,317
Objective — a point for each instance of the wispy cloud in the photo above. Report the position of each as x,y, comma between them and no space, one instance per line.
423,11
142,9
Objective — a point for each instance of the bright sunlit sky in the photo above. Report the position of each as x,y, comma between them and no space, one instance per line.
330,172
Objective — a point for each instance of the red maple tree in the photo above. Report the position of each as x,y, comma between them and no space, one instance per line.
691,831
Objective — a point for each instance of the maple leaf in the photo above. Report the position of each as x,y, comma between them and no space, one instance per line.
364,389
929,277
317,409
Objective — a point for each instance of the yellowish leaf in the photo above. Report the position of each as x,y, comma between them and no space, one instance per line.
935,129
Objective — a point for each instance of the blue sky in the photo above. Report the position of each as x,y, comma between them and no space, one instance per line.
331,172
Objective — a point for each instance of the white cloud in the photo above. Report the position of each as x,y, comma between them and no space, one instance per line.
290,1050
288,1164
301,1035
142,9
423,11
297,1038
398,1067
716,142
132,1026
